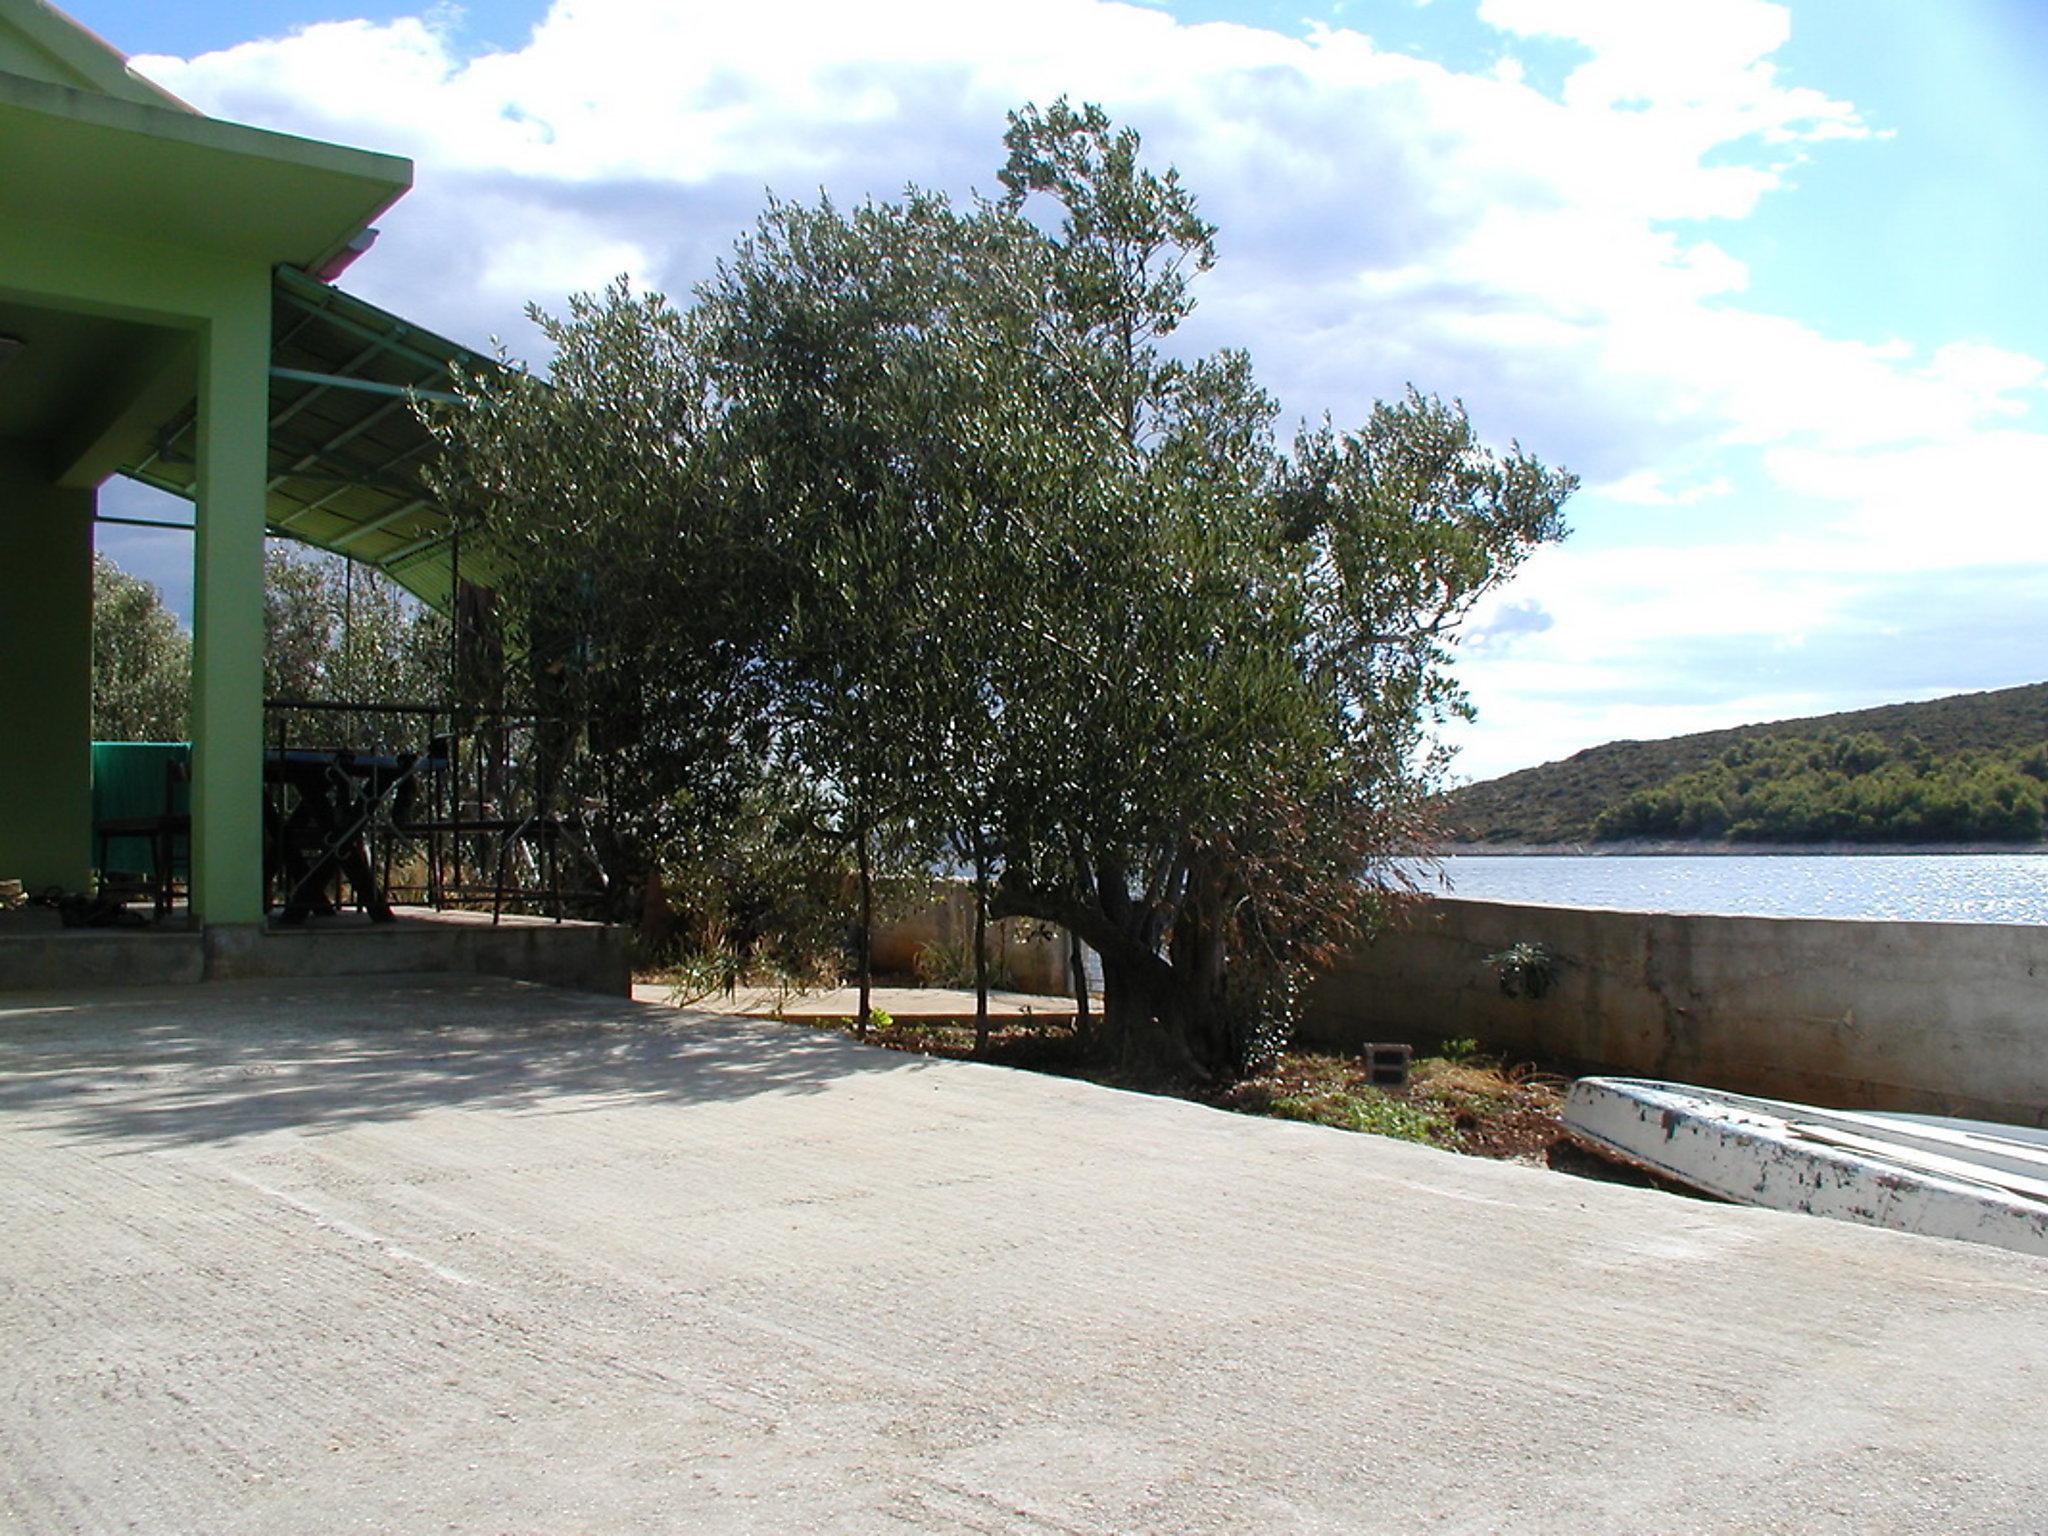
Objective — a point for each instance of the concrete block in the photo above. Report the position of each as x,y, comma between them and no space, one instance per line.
1387,1064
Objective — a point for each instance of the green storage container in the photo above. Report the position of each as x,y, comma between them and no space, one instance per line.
131,780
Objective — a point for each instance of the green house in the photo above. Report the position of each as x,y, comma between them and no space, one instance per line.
167,313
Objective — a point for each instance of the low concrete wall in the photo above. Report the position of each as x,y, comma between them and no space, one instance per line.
99,957
583,957
1946,1018
1034,954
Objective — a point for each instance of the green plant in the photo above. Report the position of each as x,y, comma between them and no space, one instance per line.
951,964
719,970
1461,1049
697,975
1368,1110
1525,969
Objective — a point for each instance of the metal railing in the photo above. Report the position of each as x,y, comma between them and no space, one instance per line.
462,808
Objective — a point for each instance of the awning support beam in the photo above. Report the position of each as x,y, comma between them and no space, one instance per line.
144,522
366,386
342,486
378,524
295,289
419,546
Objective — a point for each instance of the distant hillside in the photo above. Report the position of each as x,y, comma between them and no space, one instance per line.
1561,802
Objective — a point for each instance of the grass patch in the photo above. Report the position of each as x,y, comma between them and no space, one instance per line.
1368,1109
1462,1101
1337,1091
1496,1108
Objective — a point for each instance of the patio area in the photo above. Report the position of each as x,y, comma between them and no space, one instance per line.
405,1254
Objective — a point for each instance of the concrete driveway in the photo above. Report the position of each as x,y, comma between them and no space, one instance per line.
422,1255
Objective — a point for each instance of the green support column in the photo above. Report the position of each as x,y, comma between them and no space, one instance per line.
227,621
46,681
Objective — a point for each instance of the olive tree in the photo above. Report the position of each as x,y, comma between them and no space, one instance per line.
639,595
878,407
1218,731
1020,576
336,630
141,660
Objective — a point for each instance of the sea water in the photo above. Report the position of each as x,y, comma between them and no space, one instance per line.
1933,887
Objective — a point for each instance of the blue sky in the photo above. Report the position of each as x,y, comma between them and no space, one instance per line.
1766,275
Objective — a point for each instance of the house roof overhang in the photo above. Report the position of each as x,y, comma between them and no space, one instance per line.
96,163
96,157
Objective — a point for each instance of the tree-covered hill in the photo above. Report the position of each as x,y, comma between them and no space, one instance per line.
1969,767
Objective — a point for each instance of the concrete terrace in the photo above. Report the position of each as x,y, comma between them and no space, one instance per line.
36,951
402,1254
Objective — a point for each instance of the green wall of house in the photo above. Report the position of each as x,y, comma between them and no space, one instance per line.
225,304
137,246
46,684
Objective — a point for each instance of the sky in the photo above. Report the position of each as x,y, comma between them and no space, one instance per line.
1765,276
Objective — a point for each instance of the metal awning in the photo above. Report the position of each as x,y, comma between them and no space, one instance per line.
345,446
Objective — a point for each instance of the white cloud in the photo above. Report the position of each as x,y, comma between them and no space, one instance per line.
1384,219
1932,506
1989,375
1648,488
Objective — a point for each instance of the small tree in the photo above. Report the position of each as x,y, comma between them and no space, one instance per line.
860,374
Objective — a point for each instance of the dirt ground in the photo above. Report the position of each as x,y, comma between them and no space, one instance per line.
1476,1104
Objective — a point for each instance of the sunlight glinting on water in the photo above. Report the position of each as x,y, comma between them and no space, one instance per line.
1953,888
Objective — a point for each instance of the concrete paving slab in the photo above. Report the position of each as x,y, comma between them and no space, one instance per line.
464,1254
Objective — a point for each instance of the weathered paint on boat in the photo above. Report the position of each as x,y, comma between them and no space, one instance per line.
1935,1179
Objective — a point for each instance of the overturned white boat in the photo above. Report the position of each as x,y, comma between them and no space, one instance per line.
1940,1178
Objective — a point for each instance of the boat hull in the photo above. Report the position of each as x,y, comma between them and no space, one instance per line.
1919,1177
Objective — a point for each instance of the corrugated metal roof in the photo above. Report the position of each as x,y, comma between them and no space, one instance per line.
345,445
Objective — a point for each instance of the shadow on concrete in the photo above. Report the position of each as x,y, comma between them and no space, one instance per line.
211,1063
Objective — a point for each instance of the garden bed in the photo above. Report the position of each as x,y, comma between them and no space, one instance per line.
1463,1101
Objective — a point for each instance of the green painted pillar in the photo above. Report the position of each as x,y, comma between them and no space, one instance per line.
227,618
45,674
